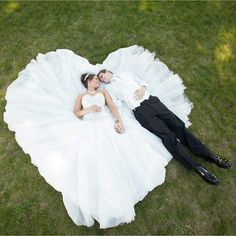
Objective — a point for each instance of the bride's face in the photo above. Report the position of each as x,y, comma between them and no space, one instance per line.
95,83
105,77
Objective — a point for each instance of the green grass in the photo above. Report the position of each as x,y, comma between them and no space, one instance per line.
197,40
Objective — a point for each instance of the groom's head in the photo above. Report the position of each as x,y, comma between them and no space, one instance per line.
104,75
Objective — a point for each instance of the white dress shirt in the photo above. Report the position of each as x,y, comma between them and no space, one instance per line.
123,86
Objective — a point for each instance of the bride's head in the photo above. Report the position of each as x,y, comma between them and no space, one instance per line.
90,81
105,75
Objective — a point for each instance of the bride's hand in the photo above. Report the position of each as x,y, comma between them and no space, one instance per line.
95,108
119,127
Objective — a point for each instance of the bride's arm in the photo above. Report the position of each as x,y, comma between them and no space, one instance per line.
79,112
112,107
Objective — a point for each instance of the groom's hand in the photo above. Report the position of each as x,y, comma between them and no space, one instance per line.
139,93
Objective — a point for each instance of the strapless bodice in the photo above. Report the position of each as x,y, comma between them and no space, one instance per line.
97,99
89,100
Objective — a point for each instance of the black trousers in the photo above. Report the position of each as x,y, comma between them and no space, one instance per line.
153,115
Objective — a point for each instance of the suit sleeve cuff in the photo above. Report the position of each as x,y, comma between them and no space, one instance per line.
143,83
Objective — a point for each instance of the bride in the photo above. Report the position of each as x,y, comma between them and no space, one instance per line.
92,82
121,159
85,143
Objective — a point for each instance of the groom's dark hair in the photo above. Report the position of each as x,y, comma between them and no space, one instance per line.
103,71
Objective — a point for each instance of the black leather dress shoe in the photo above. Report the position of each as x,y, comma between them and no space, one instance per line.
221,162
207,175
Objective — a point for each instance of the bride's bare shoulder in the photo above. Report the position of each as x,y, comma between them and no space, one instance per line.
79,97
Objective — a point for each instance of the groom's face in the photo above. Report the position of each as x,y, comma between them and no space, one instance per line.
105,77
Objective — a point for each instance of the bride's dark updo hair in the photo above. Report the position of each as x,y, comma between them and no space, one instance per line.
85,78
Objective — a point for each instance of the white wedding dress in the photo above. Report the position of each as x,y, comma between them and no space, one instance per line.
100,173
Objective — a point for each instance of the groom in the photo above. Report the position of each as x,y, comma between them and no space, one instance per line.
153,115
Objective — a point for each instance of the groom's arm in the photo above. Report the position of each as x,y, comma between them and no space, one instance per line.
142,83
114,93
139,93
137,79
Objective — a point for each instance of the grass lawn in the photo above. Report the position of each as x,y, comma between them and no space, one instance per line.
197,40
